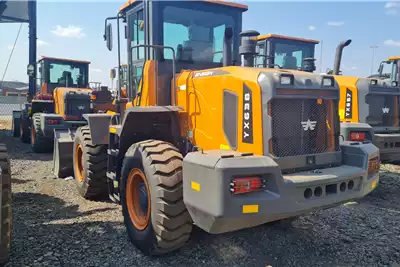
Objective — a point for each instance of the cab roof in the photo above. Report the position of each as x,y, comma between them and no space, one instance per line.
63,59
393,58
129,3
268,36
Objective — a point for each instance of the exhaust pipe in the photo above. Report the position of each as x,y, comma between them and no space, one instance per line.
227,49
248,47
338,56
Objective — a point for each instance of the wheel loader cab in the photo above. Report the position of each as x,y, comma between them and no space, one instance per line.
389,70
285,52
195,37
57,72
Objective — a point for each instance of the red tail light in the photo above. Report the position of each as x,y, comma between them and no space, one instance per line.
247,185
374,165
357,136
53,121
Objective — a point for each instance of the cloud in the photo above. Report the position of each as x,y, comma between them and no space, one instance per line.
392,8
70,31
391,42
336,23
41,43
96,70
391,5
311,28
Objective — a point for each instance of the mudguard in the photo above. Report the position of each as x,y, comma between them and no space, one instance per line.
63,152
99,124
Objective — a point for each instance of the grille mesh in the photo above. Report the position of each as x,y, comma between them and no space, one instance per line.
289,136
382,110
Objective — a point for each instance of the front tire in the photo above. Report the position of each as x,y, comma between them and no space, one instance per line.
39,142
155,215
90,165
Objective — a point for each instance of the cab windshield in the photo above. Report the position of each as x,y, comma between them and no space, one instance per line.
290,55
68,73
196,34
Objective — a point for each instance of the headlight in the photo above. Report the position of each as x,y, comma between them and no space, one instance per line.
286,79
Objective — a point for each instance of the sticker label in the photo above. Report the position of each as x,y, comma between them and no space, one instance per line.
247,127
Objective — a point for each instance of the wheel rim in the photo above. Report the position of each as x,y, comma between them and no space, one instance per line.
79,163
138,199
33,135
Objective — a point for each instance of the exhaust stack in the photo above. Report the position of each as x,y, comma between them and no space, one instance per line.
227,49
338,56
248,47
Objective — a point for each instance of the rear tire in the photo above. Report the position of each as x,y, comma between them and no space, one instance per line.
90,165
24,135
165,225
6,202
39,142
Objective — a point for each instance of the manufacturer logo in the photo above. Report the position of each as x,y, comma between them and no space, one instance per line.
203,74
349,104
385,110
80,107
308,125
247,127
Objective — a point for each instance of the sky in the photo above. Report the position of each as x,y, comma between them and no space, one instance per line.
74,29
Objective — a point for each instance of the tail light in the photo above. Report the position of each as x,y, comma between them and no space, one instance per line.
53,121
247,185
374,165
93,97
357,136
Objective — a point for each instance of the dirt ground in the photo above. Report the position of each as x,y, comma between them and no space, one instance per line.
54,226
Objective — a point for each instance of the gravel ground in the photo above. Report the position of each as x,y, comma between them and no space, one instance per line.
53,226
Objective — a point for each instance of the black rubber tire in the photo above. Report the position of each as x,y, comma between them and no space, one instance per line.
25,132
39,142
170,224
16,127
6,204
94,183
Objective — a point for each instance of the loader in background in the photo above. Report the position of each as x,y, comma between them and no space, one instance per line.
393,76
56,110
261,146
368,108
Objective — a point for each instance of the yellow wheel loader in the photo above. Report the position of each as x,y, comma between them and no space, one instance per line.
203,140
368,108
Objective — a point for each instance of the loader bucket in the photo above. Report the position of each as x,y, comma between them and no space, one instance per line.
63,152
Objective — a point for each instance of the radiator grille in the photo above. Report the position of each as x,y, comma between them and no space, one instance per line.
76,107
304,127
382,110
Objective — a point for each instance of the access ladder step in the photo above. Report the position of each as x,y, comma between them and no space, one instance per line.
113,152
112,176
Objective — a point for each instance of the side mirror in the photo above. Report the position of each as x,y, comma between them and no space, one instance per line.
108,37
113,73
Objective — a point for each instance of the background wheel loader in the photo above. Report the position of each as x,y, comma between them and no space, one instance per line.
57,109
368,108
204,140
392,64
